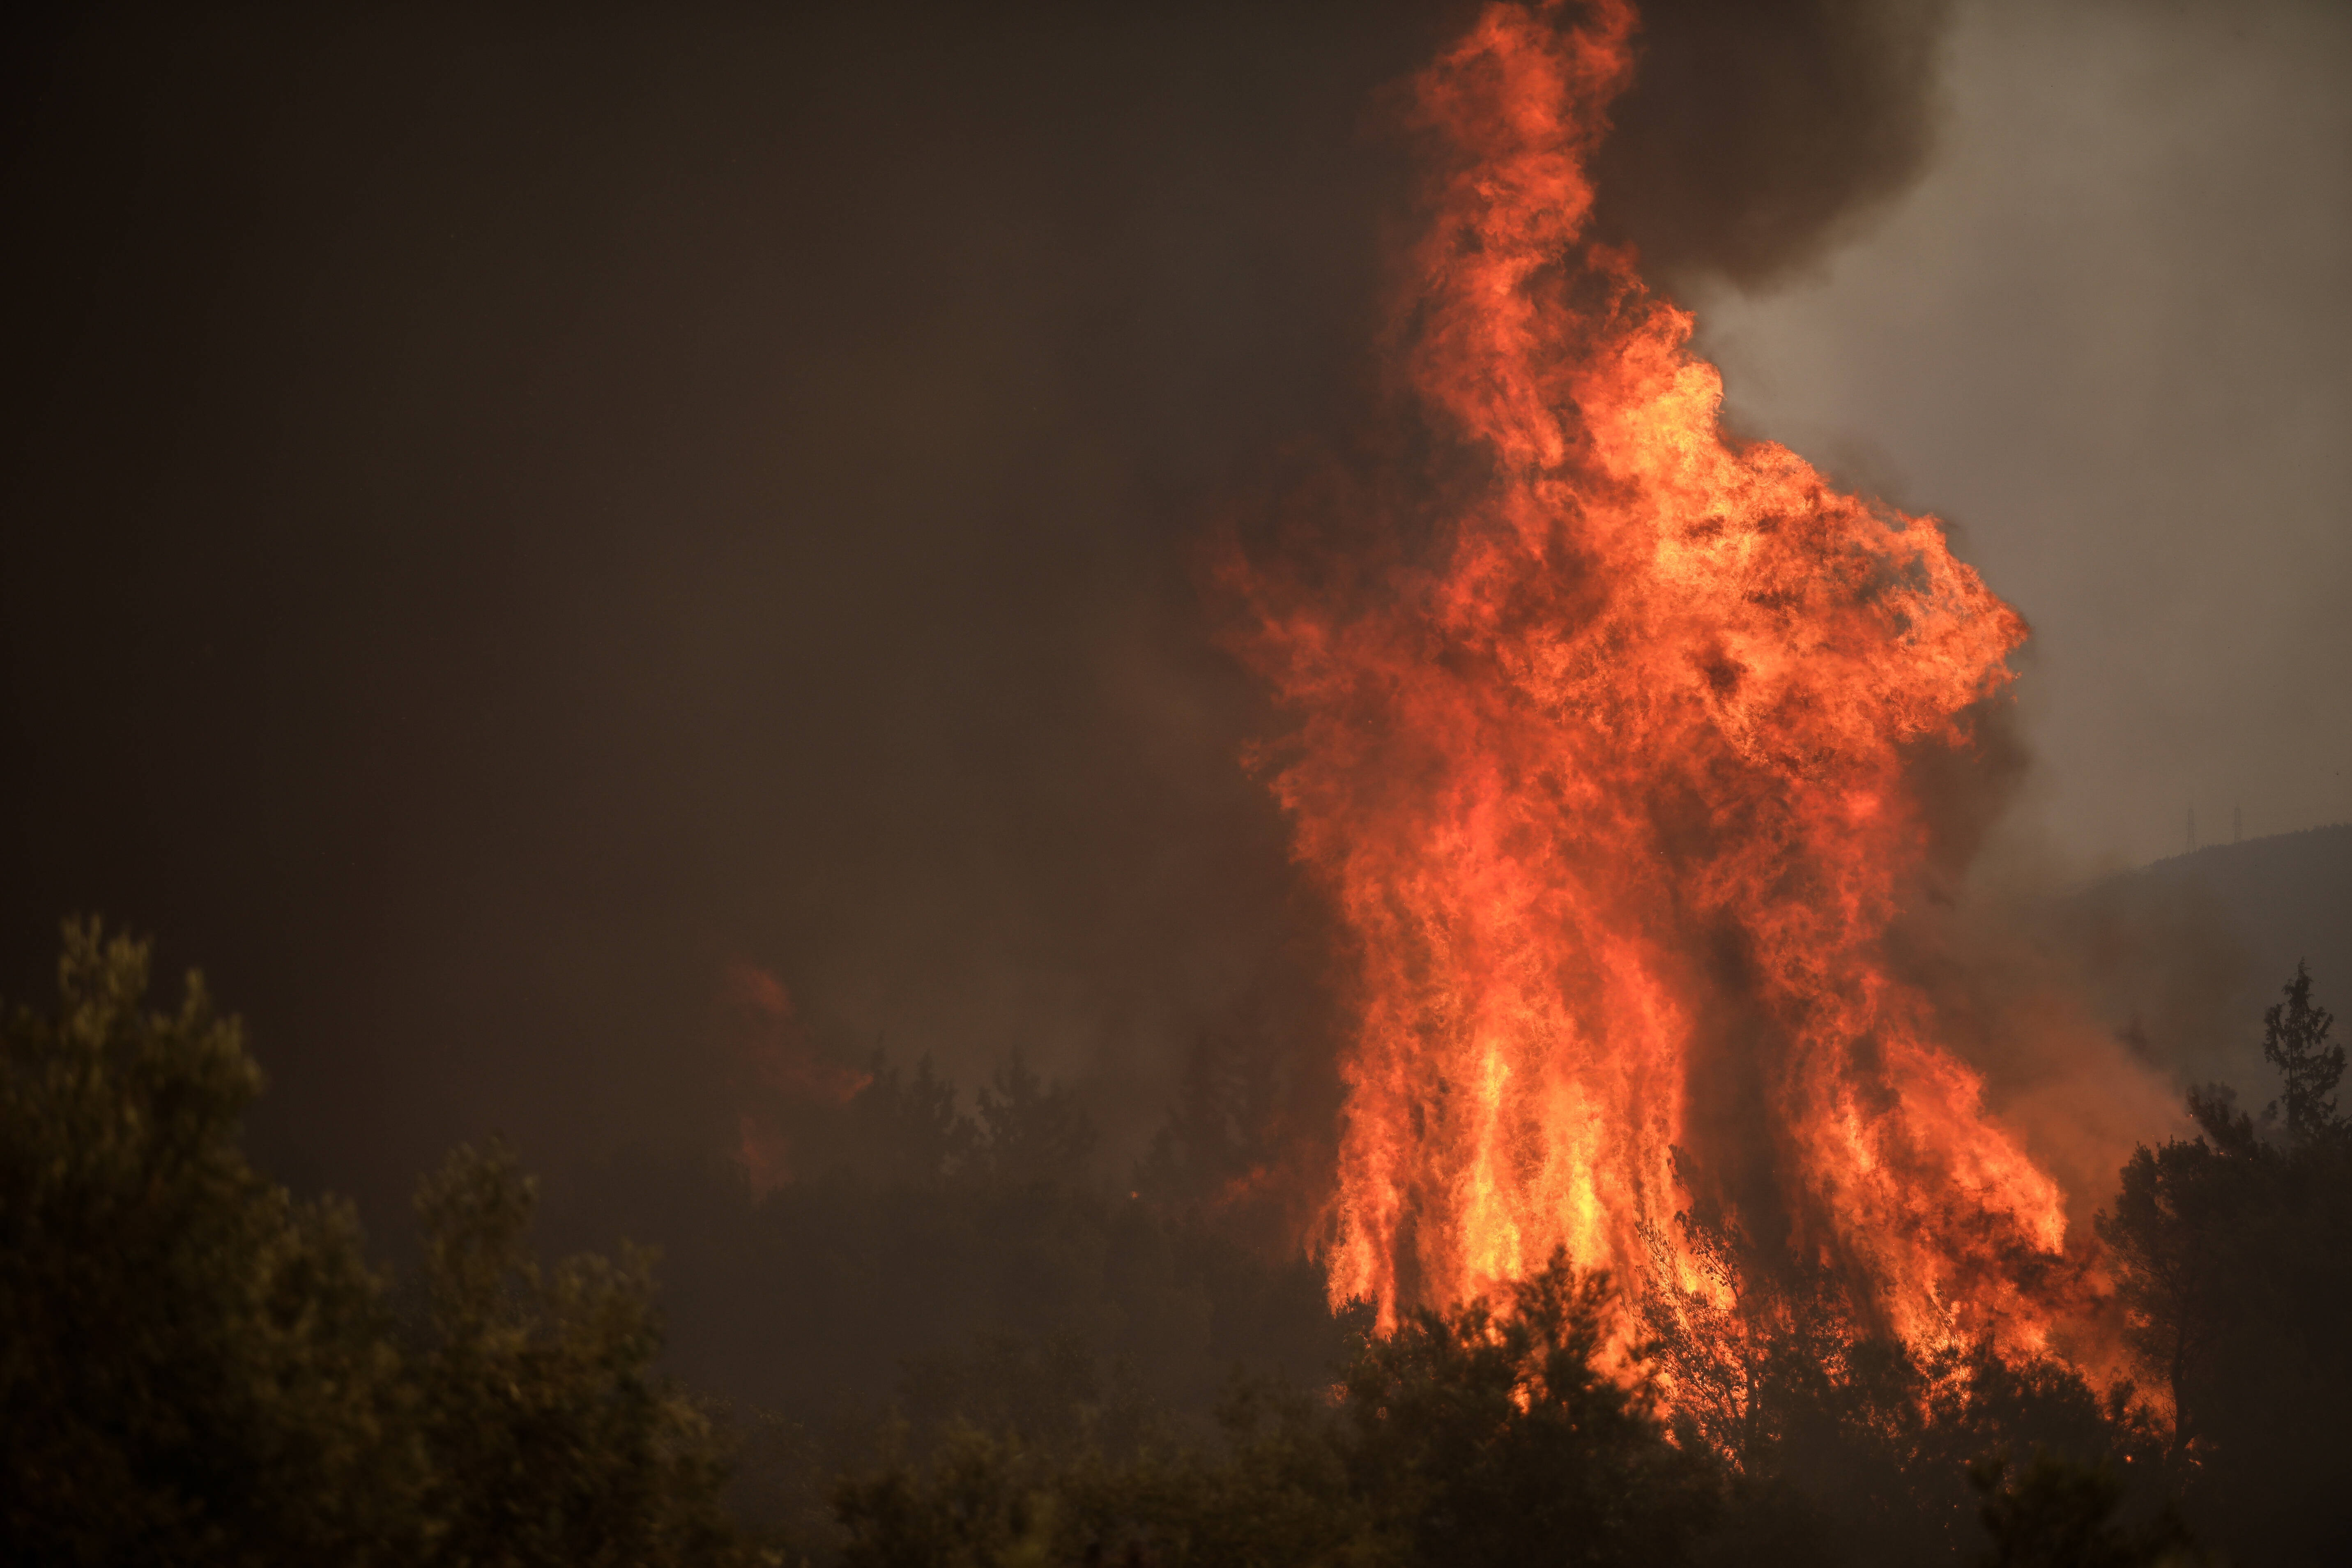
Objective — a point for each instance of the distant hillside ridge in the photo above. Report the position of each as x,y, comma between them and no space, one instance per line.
2187,952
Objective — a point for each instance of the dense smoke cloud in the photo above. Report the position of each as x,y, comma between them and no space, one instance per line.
512,516
1757,134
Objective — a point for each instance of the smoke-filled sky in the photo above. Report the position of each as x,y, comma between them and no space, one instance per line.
509,515
2108,335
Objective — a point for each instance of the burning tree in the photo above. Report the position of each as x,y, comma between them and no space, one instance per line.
2232,1255
1608,756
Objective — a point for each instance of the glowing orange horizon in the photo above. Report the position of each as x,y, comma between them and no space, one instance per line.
1611,788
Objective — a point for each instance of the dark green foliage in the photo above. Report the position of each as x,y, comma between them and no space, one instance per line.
1104,1478
911,1234
940,1268
980,1504
551,1442
897,1131
1844,1445
905,1132
1499,1438
2295,1041
1276,1492
2233,1253
1050,1394
193,1367
2175,1238
1033,1133
1211,1149
196,1369
1467,1438
2055,1513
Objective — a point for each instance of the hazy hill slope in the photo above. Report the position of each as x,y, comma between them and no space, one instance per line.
2190,949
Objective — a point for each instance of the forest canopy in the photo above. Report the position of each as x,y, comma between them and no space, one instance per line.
200,1367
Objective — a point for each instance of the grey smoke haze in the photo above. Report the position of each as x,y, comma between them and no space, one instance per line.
2109,337
508,518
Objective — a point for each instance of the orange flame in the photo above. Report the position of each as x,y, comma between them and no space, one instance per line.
778,1068
1609,785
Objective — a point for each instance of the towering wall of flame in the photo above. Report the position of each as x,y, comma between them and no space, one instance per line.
1610,785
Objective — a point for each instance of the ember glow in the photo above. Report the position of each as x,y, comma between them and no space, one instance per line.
1610,780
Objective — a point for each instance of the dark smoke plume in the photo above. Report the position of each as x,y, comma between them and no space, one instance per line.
1759,133
511,511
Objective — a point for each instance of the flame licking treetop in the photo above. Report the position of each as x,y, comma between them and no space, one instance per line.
1612,784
